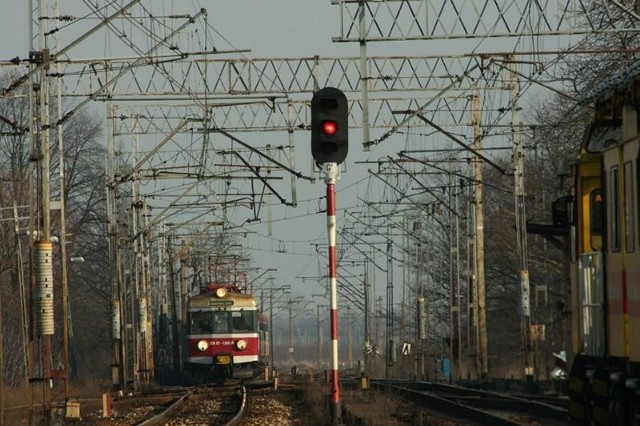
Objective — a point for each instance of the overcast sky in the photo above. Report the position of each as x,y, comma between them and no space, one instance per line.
270,28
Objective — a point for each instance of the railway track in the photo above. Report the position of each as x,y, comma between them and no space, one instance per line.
475,405
251,404
221,405
211,406
202,405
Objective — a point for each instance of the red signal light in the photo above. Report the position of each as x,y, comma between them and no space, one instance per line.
329,127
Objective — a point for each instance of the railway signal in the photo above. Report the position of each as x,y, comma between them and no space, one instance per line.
329,126
329,146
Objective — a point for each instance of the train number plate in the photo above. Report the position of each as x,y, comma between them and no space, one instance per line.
224,359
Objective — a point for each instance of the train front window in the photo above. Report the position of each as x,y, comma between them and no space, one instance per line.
200,322
603,135
221,322
243,321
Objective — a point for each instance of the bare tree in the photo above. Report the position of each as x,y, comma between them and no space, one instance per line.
84,183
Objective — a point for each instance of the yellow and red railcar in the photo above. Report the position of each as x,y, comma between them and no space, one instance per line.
227,337
604,378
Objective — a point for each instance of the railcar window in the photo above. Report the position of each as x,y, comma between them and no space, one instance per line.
597,212
629,233
597,215
614,210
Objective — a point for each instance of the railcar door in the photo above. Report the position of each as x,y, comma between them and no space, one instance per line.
587,285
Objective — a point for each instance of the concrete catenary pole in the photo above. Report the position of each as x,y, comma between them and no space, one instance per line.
390,352
367,320
319,339
479,244
290,356
364,76
349,340
455,343
521,223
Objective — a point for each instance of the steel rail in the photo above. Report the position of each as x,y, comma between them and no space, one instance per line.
162,417
242,412
463,402
497,400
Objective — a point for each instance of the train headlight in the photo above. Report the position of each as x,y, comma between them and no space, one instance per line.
221,291
241,345
203,345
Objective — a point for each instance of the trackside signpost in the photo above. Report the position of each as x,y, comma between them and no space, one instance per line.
329,147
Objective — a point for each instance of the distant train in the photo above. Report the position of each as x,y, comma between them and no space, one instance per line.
226,337
604,377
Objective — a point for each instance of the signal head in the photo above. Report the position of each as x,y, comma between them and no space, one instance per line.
329,126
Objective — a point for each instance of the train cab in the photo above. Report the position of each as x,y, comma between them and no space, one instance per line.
226,335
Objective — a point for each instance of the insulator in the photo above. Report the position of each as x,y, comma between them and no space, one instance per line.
524,292
116,323
44,288
422,318
142,315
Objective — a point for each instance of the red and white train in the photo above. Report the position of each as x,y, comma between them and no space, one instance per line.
227,337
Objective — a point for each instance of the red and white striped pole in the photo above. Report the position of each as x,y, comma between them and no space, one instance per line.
331,171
